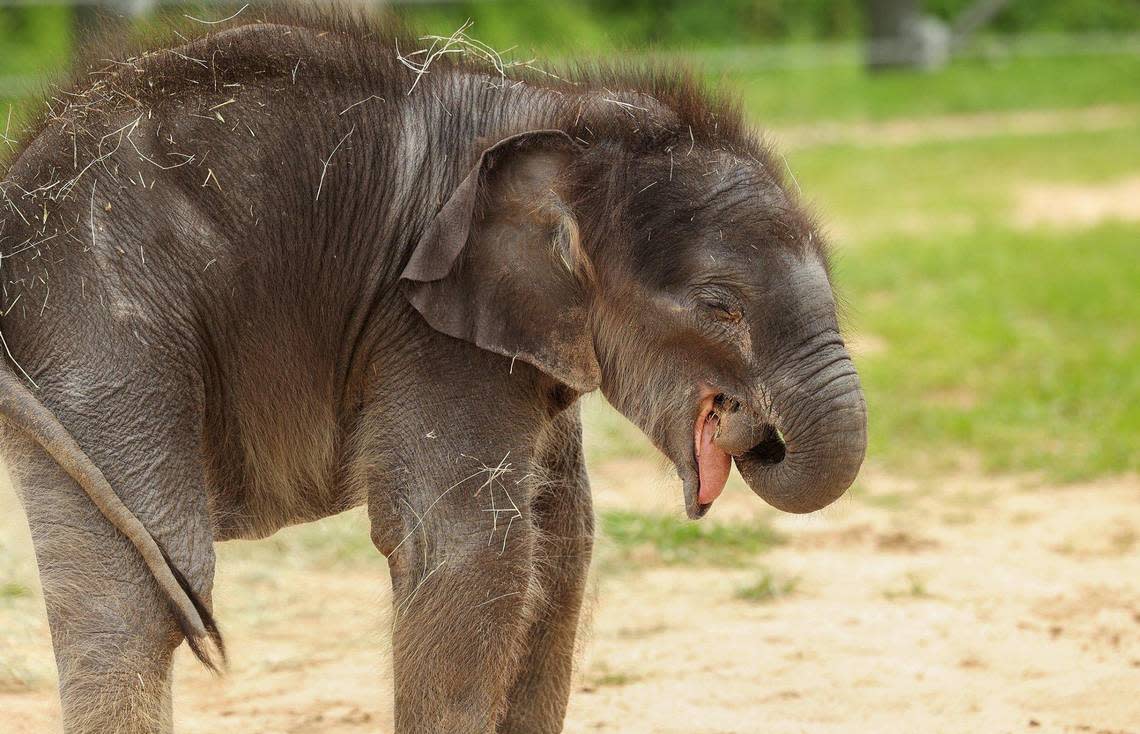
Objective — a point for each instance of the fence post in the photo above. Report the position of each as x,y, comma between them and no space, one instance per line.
902,36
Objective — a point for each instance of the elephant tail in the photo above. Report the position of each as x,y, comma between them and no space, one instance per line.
24,411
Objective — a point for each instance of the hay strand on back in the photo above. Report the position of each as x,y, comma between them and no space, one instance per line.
241,10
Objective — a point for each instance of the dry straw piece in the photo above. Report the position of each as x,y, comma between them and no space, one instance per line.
461,44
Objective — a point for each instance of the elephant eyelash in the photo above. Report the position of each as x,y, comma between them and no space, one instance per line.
724,312
718,302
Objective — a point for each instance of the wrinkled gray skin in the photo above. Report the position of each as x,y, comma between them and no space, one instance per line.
351,294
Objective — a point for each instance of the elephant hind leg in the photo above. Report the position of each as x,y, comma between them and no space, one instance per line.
112,631
112,628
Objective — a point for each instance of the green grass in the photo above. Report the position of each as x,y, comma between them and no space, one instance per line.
767,588
1021,348
649,538
607,435
923,192
614,680
845,91
14,590
31,42
889,501
628,538
1015,347
913,588
336,541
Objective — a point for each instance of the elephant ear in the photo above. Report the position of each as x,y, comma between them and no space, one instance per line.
501,265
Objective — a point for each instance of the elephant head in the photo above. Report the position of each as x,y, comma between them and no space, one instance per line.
686,282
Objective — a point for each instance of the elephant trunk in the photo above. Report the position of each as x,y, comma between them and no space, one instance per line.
805,450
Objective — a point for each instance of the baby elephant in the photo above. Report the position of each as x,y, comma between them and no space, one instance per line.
282,270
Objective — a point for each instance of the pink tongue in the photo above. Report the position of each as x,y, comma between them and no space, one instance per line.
712,463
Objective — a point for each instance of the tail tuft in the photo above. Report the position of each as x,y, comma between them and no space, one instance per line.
212,654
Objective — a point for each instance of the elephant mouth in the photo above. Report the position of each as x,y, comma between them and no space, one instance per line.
709,466
713,462
707,474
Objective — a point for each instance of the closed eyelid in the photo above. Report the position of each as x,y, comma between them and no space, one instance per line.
717,294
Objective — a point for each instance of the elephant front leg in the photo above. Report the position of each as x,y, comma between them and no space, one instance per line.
464,595
563,514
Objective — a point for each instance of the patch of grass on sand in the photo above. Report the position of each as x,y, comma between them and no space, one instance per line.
914,588
613,680
767,588
343,539
14,590
608,435
17,677
886,501
653,538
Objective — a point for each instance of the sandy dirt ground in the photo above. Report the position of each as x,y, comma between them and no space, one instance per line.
961,604
1067,206
945,128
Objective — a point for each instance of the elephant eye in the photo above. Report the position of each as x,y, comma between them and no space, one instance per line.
724,312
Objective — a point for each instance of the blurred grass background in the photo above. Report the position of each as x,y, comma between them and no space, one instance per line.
987,339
